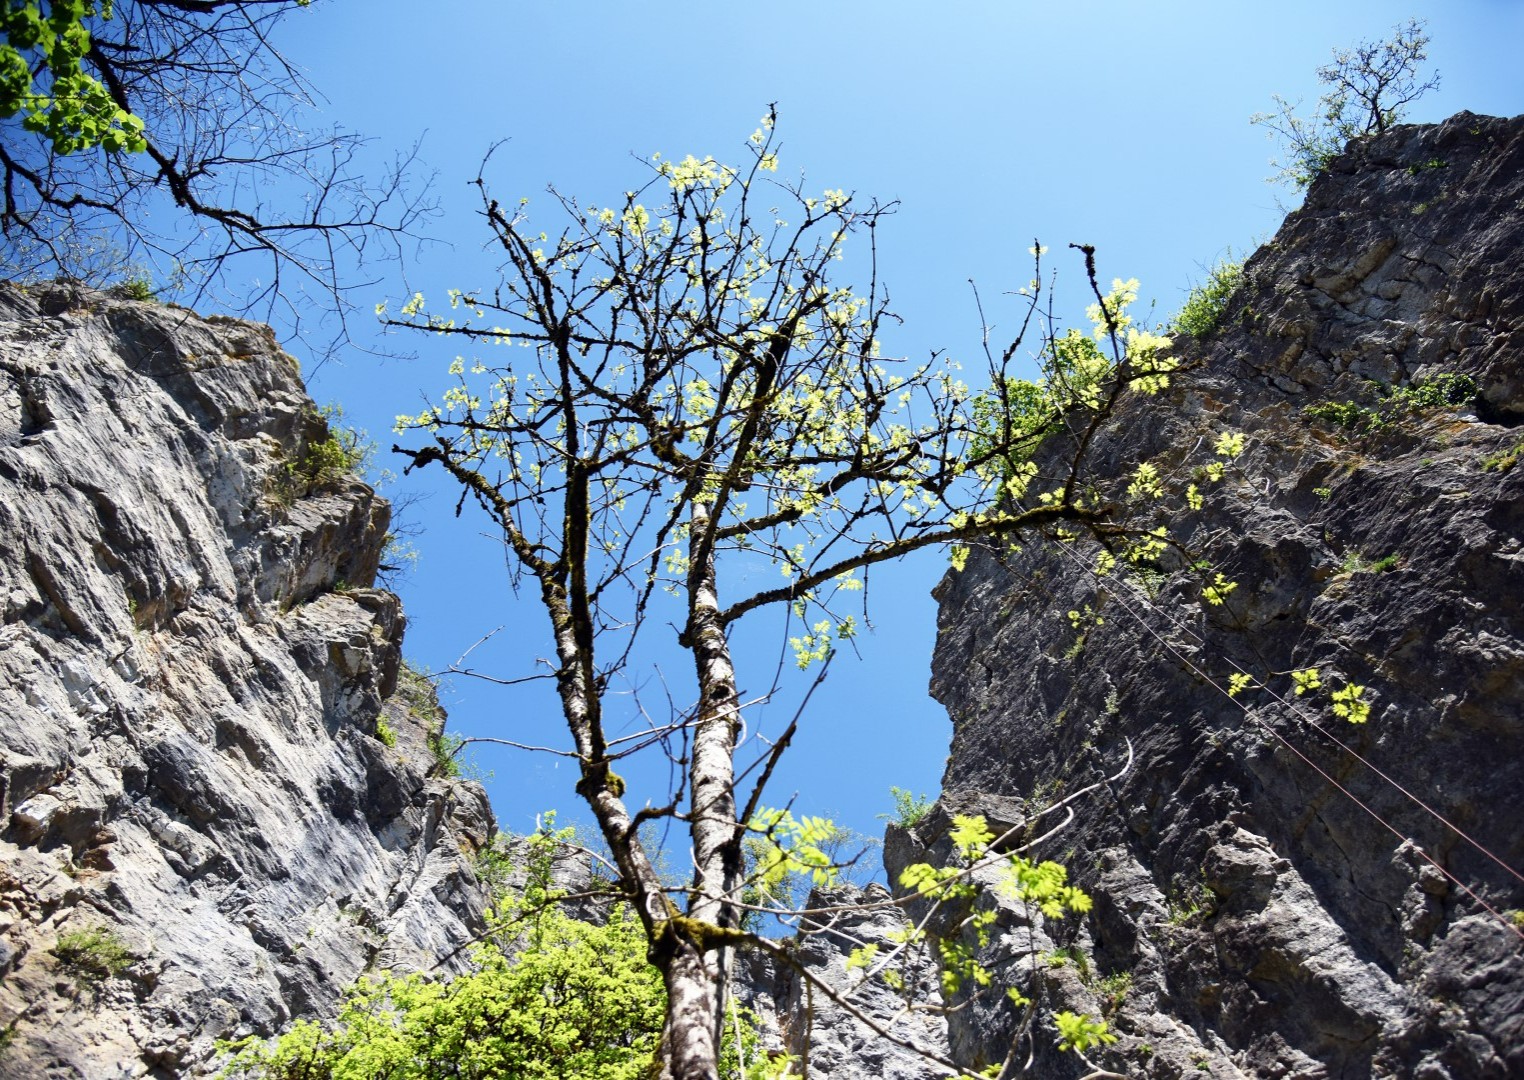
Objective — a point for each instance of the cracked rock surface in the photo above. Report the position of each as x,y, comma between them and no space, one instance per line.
1274,904
192,673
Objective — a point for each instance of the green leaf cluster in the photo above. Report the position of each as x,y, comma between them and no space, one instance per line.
1349,704
908,808
1080,1033
1018,414
549,997
1503,460
1043,884
792,847
92,956
579,1000
1447,391
41,78
343,453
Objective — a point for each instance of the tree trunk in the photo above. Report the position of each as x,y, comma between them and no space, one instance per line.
690,1036
716,841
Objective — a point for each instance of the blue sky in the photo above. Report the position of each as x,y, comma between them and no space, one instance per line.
1123,126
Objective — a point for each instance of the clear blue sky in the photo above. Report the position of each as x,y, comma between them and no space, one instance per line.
1124,126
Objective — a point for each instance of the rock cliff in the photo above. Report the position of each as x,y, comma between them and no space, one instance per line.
1280,892
217,809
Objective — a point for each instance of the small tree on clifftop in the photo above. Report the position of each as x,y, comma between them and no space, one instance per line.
686,387
1369,90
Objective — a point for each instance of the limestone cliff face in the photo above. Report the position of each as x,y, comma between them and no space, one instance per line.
1265,890
192,671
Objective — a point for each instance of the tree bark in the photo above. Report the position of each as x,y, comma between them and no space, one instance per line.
716,840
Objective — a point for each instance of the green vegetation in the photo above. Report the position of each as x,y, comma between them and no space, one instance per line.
493,864
786,857
1347,414
578,1000
1356,563
1187,906
1446,391
343,453
1441,392
415,688
446,747
1113,989
92,956
909,809
1206,304
1070,954
1080,1033
1016,416
138,286
549,997
1503,460
1368,90
385,734
1042,886
42,79
161,128
1349,704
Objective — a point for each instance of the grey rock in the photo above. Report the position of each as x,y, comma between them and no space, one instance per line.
1280,905
801,1018
188,705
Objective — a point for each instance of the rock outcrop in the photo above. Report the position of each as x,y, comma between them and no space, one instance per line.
1279,892
217,811
798,1020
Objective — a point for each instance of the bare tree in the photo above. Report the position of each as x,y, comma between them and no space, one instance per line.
226,190
1369,90
677,388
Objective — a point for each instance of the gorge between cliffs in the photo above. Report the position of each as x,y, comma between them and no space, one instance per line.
212,755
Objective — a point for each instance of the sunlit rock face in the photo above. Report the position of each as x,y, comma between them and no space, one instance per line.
1278,906
197,693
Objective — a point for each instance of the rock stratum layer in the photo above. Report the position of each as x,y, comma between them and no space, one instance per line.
1281,893
203,835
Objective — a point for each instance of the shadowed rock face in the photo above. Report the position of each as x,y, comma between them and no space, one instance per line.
192,670
1271,895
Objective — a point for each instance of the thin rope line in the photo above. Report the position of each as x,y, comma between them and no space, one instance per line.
1194,667
1300,713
